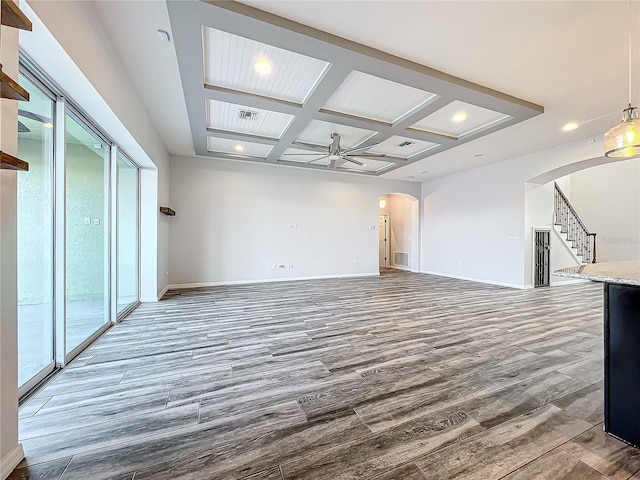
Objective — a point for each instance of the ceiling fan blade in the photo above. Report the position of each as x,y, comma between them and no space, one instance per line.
22,128
302,154
359,149
316,159
352,160
311,145
33,116
370,155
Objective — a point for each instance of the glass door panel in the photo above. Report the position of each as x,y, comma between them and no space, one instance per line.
87,174
35,234
127,221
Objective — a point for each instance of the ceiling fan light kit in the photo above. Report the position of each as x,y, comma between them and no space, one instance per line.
623,140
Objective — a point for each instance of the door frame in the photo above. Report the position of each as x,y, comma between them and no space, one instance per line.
534,256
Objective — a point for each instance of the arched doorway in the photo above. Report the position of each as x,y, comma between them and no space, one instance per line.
399,245
603,198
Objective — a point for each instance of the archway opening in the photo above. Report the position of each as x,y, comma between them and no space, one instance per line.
592,214
399,232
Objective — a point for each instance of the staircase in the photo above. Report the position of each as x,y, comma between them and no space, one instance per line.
581,241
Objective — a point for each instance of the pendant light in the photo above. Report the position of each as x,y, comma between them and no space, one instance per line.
623,140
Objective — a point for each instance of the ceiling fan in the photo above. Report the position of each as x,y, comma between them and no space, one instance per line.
334,152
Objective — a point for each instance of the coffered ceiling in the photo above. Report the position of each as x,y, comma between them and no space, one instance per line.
261,88
543,52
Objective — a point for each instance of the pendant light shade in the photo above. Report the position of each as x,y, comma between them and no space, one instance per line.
623,140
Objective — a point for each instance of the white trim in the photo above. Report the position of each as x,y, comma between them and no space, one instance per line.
477,280
60,232
401,267
148,299
162,292
156,298
11,461
178,286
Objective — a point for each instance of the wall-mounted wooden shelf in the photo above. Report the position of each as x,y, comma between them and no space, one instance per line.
12,16
9,162
9,88
168,211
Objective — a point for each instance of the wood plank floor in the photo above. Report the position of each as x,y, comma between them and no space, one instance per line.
402,376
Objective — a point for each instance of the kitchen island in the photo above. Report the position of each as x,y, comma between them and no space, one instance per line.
621,344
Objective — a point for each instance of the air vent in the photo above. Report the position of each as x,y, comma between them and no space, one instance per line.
248,115
401,259
405,144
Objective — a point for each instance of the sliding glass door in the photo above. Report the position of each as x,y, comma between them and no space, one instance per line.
87,219
78,231
35,236
127,232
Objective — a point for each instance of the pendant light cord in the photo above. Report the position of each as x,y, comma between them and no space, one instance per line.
630,28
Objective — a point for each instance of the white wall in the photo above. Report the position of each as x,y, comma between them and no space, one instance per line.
607,199
235,220
473,223
72,46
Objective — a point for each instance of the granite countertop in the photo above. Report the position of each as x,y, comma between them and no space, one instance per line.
625,273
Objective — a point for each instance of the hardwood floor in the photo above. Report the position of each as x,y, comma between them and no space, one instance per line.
405,376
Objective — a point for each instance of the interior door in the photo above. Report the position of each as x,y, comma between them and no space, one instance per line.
383,241
542,255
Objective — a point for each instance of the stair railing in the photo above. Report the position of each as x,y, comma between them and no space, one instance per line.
570,224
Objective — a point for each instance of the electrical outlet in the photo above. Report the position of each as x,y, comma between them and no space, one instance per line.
96,221
290,265
274,266
281,265
343,263
87,221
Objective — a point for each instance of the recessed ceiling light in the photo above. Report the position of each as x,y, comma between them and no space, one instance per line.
425,172
97,145
263,66
411,176
459,117
238,148
477,155
47,125
364,165
570,126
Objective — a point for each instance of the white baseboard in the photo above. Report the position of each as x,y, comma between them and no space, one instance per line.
163,292
400,267
157,298
178,286
477,280
11,461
